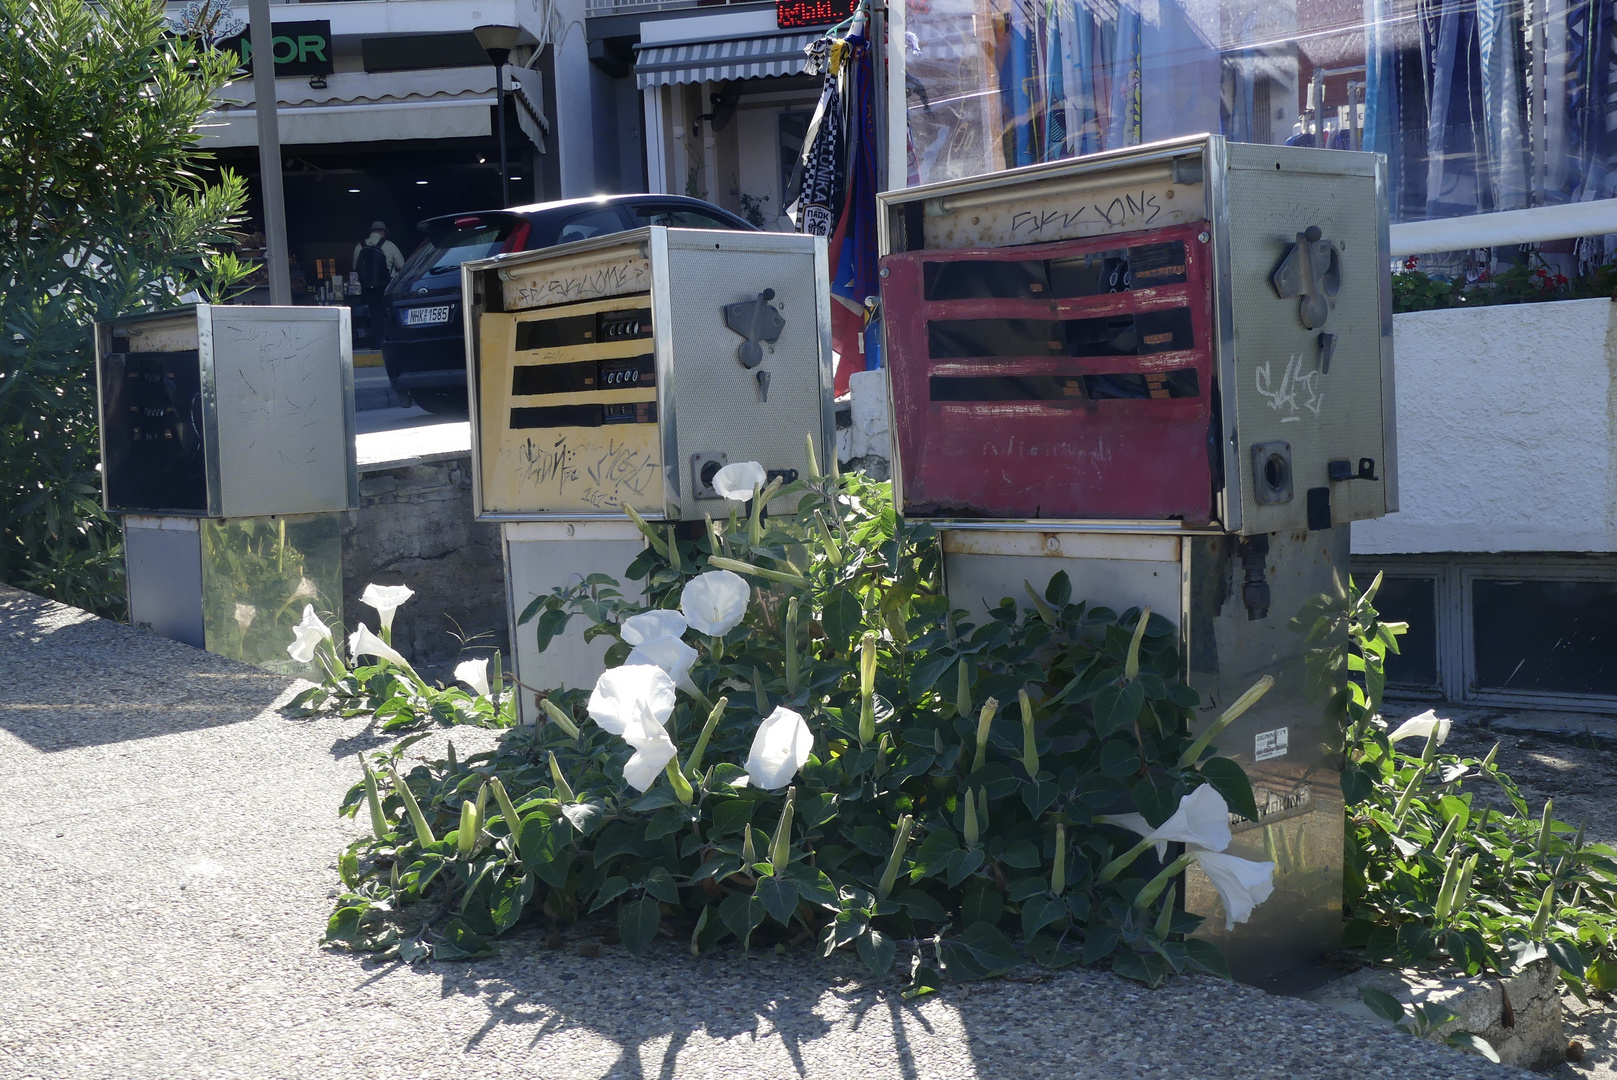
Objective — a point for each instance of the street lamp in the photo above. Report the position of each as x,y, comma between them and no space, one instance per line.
498,41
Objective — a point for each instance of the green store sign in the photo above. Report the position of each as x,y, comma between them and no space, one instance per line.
300,48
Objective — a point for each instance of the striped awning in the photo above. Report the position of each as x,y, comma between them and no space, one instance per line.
715,61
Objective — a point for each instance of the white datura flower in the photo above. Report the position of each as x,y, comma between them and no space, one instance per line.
634,702
669,653
649,625
245,614
1422,727
715,602
779,749
1241,883
474,673
736,482
364,643
386,600
307,634
1202,820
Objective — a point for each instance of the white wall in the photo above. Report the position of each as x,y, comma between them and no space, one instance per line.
1507,419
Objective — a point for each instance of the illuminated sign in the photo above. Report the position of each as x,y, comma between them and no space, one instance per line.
790,14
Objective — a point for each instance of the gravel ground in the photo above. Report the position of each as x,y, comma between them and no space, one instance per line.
1580,773
171,864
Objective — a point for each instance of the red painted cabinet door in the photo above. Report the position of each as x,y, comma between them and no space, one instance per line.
1070,380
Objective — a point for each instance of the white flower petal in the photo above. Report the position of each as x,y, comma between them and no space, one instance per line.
736,482
1201,820
653,749
386,600
474,673
715,602
1422,727
245,614
652,624
308,634
669,653
365,643
621,692
1241,883
779,749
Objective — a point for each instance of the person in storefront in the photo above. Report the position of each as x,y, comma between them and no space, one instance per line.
376,260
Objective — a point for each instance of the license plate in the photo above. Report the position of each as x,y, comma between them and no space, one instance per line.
427,316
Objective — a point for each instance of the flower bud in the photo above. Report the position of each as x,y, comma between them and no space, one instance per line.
1441,848
1131,664
791,646
423,831
1164,925
867,663
509,812
1194,752
813,458
985,720
1487,761
962,688
374,802
1030,749
694,763
564,792
883,748
468,828
652,536
677,780
828,540
1058,874
1446,891
1541,921
1046,613
559,718
780,849
901,841
673,552
973,833
1543,842
749,854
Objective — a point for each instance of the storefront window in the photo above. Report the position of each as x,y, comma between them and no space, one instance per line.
1479,105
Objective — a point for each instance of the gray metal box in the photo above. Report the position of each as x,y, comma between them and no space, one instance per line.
540,557
1285,743
227,412
625,370
1298,431
235,587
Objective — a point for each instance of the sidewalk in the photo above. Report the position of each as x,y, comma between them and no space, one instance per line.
169,867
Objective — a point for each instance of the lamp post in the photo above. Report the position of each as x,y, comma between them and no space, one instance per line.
498,41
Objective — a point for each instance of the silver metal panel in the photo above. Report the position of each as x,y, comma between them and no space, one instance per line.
707,401
1279,383
163,563
258,574
541,556
982,566
718,404
1215,164
282,381
1389,407
1285,743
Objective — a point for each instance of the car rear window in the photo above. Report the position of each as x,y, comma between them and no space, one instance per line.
450,243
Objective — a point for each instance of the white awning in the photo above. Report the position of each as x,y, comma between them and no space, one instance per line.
360,107
753,57
1533,225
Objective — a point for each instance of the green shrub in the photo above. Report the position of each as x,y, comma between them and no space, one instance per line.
101,214
916,775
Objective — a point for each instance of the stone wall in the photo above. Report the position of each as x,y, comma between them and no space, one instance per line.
415,527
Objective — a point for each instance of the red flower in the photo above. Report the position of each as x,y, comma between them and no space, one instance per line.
1560,279
1411,262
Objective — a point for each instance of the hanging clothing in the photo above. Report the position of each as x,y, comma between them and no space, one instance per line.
853,245
818,177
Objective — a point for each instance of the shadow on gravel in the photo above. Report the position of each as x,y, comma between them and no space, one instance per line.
69,679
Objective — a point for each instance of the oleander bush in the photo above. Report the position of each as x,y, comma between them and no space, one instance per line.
798,743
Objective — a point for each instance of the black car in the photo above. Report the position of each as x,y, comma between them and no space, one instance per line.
423,344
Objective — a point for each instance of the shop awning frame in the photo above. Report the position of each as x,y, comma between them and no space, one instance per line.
753,56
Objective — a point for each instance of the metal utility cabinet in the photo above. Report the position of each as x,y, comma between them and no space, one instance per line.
1167,371
626,371
227,446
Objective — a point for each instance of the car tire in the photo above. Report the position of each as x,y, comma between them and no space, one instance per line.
441,401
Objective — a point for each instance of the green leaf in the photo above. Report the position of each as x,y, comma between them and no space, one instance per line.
507,899
926,672
920,906
1040,912
1045,949
983,905
637,924
842,618
1023,855
1230,781
1567,956
1415,943
729,817
877,950
1148,968
1038,797
586,817
612,888
742,914
1116,707
779,896
1059,592
962,864
1206,957
1465,1040
1099,943
1119,757
660,883
980,953
545,851
1382,1004
460,943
